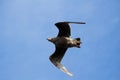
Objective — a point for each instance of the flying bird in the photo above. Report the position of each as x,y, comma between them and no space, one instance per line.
62,42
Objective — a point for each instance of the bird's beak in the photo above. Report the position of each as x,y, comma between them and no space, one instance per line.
49,39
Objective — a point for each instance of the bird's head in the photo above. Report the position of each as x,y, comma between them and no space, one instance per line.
51,39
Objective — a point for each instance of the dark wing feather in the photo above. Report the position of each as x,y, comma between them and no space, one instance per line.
56,58
58,55
64,29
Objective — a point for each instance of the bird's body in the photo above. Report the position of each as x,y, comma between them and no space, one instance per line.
62,42
66,42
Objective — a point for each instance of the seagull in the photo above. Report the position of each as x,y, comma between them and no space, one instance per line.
62,42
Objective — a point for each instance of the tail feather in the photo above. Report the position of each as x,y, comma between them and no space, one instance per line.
78,39
77,42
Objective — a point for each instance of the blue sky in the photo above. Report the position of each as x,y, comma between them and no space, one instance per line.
26,24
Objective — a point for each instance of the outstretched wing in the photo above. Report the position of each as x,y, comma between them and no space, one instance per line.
58,54
56,58
64,28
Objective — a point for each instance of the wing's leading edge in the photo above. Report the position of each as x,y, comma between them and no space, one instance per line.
75,22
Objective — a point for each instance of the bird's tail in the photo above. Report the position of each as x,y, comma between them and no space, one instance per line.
77,42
